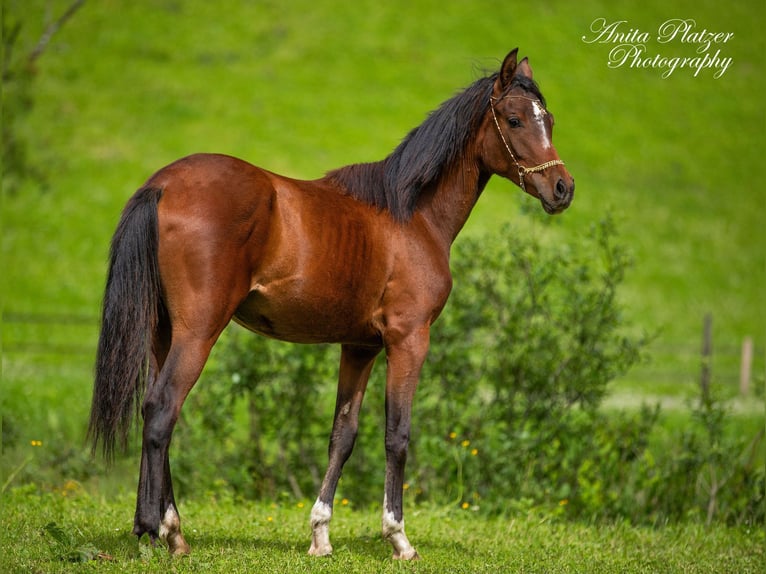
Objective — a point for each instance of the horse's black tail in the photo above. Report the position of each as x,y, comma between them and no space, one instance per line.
131,306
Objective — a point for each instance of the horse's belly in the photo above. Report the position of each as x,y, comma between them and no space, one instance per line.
290,312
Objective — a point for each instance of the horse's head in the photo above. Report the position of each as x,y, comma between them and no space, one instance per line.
517,142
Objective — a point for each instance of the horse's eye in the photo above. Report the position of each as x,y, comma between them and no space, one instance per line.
514,122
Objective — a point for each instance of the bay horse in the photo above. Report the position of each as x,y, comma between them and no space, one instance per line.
358,257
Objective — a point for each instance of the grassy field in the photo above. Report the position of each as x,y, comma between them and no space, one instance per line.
302,86
43,532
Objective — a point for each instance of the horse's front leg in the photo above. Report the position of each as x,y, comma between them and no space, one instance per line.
405,360
355,366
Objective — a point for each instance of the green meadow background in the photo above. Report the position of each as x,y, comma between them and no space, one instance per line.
300,87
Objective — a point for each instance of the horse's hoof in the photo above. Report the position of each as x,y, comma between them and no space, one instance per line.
179,547
325,550
410,554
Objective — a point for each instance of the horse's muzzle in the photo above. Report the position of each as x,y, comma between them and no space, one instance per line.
562,196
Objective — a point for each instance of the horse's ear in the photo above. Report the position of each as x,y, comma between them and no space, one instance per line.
508,68
523,69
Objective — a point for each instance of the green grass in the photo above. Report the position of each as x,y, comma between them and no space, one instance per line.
231,537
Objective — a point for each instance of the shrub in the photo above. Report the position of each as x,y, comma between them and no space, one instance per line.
265,408
519,367
709,473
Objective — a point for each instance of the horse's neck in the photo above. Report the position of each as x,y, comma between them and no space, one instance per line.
447,206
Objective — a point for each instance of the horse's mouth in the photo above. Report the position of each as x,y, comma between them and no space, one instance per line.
558,206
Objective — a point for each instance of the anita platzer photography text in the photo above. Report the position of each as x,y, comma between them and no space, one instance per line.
633,47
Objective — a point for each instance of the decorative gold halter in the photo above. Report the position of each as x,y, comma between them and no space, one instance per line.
522,170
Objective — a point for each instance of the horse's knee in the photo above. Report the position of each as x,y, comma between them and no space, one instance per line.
343,437
397,443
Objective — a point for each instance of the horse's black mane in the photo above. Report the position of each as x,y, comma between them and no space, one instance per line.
395,183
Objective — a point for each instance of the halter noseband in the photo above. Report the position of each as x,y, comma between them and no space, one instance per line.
522,170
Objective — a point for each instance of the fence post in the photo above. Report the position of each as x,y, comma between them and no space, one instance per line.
707,352
746,366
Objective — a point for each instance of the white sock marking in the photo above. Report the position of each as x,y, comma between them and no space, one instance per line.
170,523
321,514
393,531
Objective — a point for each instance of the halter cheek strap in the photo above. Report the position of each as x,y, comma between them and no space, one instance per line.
522,170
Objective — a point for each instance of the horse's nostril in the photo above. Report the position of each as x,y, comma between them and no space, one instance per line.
561,189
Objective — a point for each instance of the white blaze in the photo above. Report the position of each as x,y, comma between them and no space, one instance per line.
539,115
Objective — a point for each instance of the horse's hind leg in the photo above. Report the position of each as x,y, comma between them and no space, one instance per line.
355,367
170,525
156,512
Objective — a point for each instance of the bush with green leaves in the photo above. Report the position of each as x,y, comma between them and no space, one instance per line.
262,421
709,472
531,338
